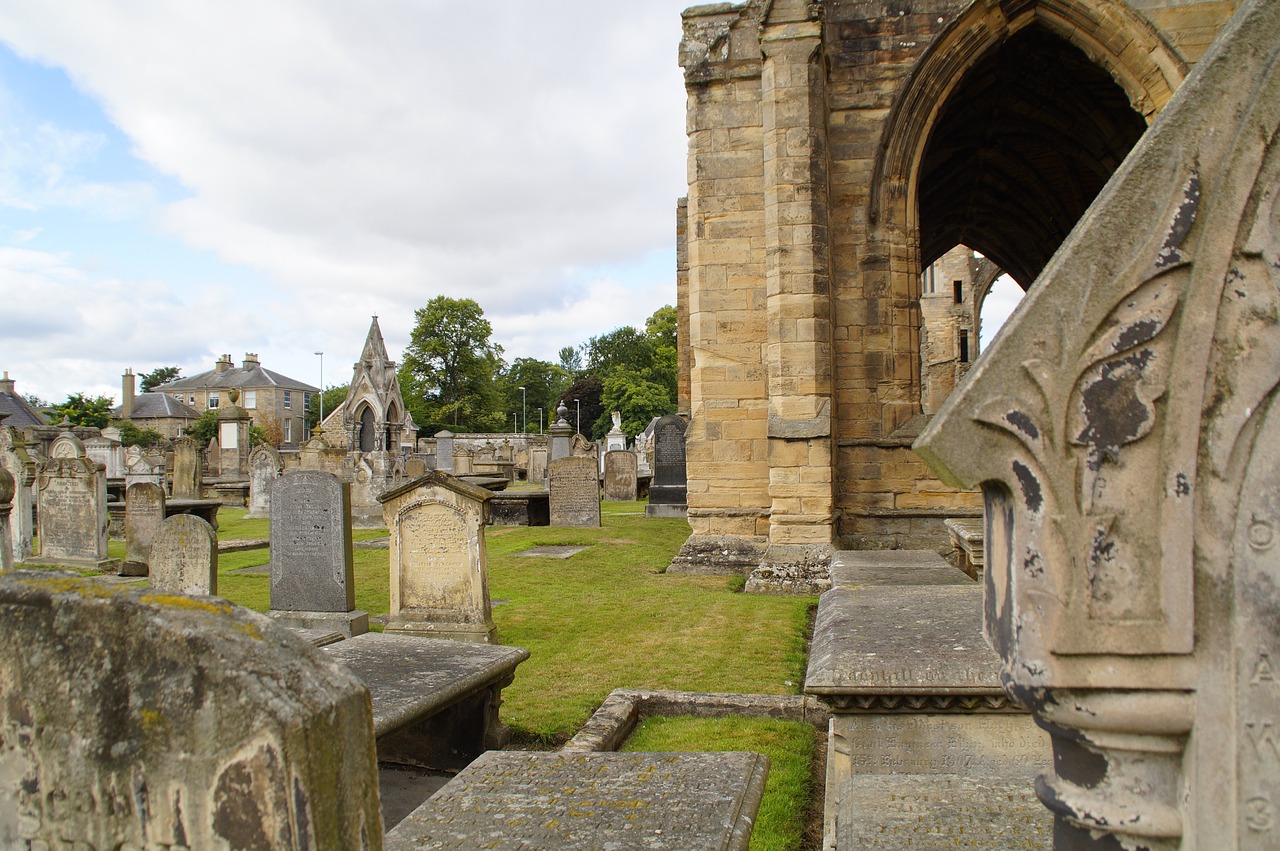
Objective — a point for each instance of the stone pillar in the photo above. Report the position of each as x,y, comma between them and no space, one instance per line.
561,435
233,439
7,490
683,360
797,301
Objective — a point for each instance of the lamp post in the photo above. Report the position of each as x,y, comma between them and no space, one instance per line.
539,421
515,421
578,404
321,420
524,410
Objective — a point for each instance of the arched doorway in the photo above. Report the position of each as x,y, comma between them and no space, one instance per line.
368,436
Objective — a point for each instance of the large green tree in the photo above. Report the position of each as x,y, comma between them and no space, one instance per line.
636,372
81,410
334,396
158,376
543,384
450,366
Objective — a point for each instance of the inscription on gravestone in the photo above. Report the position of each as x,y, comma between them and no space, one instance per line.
433,539
184,556
144,514
311,561
575,492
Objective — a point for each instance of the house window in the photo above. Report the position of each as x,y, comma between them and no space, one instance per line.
958,287
191,400
288,429
213,400
288,400
306,401
251,398
178,396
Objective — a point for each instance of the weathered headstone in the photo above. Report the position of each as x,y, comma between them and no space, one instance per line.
620,475
575,492
72,500
439,568
668,492
188,472
143,516
184,557
265,466
444,451
538,464
6,506
1125,431
312,579
143,465
18,462
135,722
415,467
462,461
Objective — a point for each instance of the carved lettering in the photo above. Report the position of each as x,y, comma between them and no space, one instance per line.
1262,672
1259,814
1263,736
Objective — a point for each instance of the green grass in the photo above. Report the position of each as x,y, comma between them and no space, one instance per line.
789,745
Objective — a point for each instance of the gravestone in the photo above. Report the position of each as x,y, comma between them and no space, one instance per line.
6,507
17,461
1125,431
462,461
143,465
439,568
265,466
538,464
184,557
668,492
575,492
143,516
188,473
561,435
444,451
620,475
312,579
72,500
135,722
415,467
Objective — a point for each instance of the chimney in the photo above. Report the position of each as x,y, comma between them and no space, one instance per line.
251,360
126,395
6,384
223,364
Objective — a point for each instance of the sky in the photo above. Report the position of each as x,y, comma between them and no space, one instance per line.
183,180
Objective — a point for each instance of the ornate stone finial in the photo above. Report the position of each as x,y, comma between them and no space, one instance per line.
562,412
234,395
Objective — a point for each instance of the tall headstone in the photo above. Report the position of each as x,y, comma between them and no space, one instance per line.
1125,430
143,516
132,722
188,472
439,569
668,492
312,578
265,466
184,556
538,464
72,500
575,492
6,507
15,459
444,451
620,475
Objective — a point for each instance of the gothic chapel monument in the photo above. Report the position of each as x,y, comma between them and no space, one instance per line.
836,150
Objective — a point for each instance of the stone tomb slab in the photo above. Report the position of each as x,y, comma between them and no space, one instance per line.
601,800
923,640
893,567
550,552
924,812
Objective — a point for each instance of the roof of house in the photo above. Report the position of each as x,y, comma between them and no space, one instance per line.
19,413
156,405
238,377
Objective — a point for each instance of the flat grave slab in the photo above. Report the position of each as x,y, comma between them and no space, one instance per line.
318,637
518,800
550,552
924,640
923,812
850,569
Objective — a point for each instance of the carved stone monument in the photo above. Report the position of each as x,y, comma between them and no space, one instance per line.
620,475
18,462
6,506
575,492
188,471
439,570
1125,432
265,466
184,556
312,580
668,492
143,516
73,508
561,434
444,451
135,722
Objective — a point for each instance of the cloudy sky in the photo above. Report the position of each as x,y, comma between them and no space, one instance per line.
179,180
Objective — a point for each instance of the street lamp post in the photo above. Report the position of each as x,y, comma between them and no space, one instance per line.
524,410
578,404
321,420
539,421
515,421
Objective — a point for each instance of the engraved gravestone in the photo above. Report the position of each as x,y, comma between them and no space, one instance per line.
15,458
184,557
134,722
575,492
265,466
538,464
143,515
72,500
444,451
188,476
439,568
312,579
668,492
6,506
620,475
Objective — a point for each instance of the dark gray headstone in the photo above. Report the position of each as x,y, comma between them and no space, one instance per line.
668,492
184,556
575,492
143,516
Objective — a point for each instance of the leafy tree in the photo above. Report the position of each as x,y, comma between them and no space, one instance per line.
267,430
133,435
637,372
203,429
587,391
83,411
638,399
158,376
542,382
35,401
450,366
259,435
571,359
334,396
661,327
